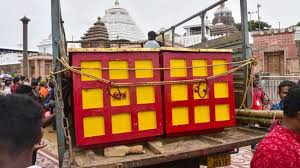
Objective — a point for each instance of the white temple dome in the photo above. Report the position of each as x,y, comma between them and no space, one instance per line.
120,25
223,10
223,15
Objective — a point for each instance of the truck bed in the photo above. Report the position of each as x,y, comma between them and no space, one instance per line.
172,149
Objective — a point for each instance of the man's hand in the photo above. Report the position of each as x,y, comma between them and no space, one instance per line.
39,146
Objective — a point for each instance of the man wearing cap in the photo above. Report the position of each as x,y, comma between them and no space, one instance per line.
281,147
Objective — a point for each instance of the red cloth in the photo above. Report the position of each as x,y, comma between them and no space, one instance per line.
279,149
13,89
257,99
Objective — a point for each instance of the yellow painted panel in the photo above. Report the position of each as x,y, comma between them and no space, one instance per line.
178,64
180,116
202,88
219,67
202,70
222,112
93,126
221,90
92,98
145,94
144,64
147,120
202,114
93,72
122,102
118,74
179,92
121,123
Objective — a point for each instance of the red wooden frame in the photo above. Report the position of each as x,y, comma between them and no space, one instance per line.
107,110
190,103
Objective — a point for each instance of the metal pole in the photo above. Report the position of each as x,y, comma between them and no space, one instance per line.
258,6
25,22
56,42
195,15
246,45
173,37
163,39
250,14
298,46
203,27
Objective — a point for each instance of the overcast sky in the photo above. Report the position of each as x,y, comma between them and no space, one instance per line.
79,15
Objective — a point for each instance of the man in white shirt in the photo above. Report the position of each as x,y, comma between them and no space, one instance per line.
152,43
7,88
1,89
20,130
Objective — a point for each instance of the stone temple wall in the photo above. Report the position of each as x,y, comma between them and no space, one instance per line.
276,41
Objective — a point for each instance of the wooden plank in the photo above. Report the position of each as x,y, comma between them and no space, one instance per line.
179,149
213,139
120,151
155,147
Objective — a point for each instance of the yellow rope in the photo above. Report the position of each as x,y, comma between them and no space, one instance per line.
192,67
248,83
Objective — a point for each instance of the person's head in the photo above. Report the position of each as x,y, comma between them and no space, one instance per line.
25,90
34,84
152,35
284,87
8,83
51,85
291,107
256,80
42,83
20,130
16,80
22,78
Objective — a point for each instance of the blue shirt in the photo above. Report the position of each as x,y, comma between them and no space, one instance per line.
277,106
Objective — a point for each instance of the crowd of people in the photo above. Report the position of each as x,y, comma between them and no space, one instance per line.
281,147
36,93
261,101
42,89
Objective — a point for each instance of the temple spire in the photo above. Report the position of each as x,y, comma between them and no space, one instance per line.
117,3
222,5
120,23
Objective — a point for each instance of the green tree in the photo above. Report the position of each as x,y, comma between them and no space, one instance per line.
238,26
298,24
254,25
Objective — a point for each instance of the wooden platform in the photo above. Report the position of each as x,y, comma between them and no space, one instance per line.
172,149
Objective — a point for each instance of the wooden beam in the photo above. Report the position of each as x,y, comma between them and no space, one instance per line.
260,114
155,147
